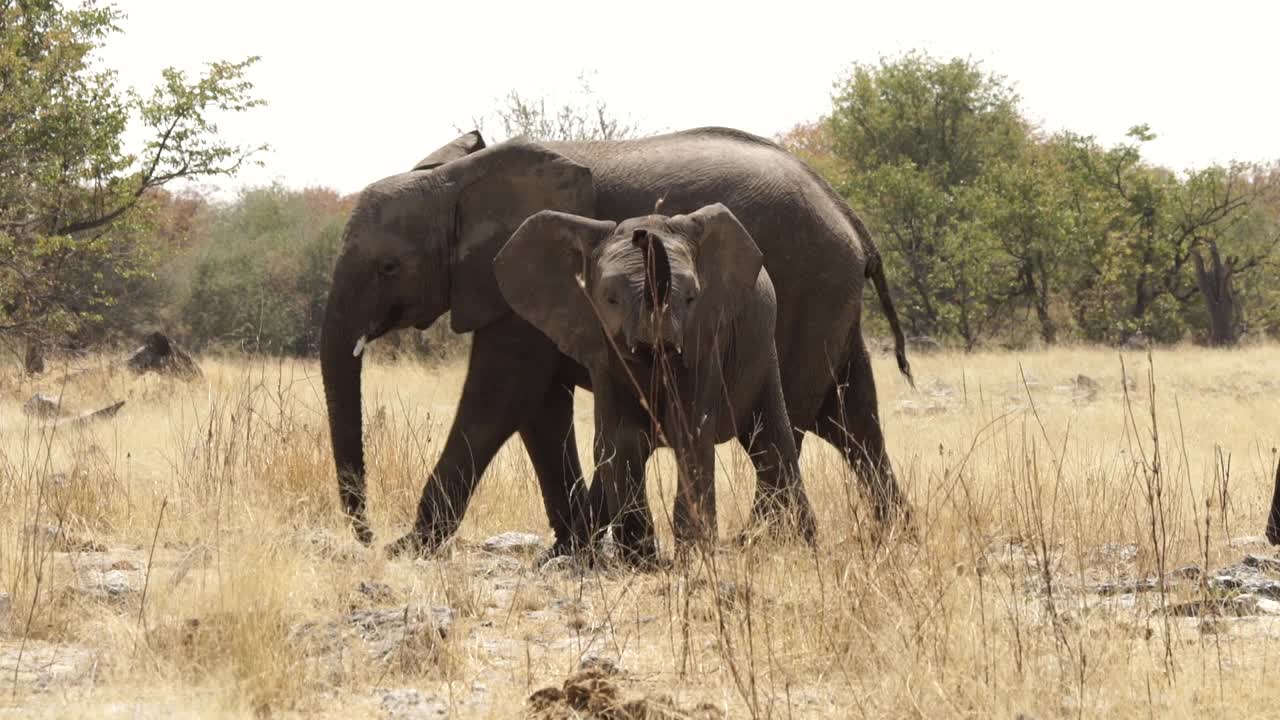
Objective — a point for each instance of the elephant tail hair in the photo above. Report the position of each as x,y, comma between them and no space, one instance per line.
875,272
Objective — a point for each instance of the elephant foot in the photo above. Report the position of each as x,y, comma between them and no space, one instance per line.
572,550
413,545
363,534
642,557
623,546
896,527
780,524
360,527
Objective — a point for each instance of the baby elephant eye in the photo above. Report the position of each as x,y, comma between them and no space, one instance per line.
688,299
389,267
611,299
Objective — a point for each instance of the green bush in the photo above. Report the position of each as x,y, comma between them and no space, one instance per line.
259,278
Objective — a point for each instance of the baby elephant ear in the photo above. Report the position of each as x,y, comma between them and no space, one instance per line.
541,272
727,261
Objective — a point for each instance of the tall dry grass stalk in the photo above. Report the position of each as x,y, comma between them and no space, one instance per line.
1046,489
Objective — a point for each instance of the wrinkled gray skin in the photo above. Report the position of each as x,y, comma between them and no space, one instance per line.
423,242
676,313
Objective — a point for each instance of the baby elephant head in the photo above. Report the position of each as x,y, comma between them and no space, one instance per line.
650,284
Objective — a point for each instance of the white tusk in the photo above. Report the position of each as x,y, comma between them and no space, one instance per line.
359,346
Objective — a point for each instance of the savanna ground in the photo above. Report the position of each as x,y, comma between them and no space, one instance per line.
187,558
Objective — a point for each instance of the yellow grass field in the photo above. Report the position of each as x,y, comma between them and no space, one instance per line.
1081,550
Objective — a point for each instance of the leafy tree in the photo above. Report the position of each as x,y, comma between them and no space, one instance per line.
259,276
917,134
1033,224
814,143
71,231
1159,253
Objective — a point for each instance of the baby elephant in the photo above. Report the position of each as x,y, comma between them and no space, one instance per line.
674,319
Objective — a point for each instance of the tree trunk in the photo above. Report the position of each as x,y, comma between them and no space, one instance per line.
33,362
1215,282
1048,330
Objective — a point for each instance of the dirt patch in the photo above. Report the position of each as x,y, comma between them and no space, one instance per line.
39,665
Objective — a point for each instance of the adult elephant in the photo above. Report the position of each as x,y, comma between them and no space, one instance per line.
423,242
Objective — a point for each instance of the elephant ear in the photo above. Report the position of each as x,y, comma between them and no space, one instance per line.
461,147
499,187
539,271
728,262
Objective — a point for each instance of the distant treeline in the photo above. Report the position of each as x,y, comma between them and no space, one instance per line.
992,231
252,275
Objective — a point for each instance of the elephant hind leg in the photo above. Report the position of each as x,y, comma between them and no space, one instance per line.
552,446
774,448
850,420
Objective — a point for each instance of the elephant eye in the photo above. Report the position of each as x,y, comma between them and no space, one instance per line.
389,267
611,299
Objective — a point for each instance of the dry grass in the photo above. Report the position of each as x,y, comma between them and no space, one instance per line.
214,504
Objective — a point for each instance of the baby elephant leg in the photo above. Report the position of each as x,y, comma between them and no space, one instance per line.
694,515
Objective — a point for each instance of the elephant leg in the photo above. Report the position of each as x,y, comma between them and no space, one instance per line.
596,518
694,513
510,370
774,448
850,420
549,438
1273,517
622,477
622,446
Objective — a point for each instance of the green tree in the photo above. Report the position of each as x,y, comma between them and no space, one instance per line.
1033,224
917,134
1163,244
259,276
71,231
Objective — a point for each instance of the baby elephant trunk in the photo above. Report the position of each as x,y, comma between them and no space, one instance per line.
658,326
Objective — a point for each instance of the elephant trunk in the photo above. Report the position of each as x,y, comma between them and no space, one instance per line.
657,273
340,366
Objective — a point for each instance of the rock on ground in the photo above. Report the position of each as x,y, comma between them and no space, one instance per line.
515,543
42,406
60,539
409,704
43,665
159,354
409,635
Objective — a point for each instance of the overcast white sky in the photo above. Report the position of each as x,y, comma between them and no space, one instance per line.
360,90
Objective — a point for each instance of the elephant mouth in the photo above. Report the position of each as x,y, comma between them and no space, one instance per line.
389,323
649,353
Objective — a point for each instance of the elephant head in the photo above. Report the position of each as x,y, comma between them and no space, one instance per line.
420,244
648,284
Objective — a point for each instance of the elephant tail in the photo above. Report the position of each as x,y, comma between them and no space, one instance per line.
875,272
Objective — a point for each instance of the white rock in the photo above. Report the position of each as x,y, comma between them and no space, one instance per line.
514,543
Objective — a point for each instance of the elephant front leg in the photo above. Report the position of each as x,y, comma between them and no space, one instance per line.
550,441
694,515
511,369
622,447
691,430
